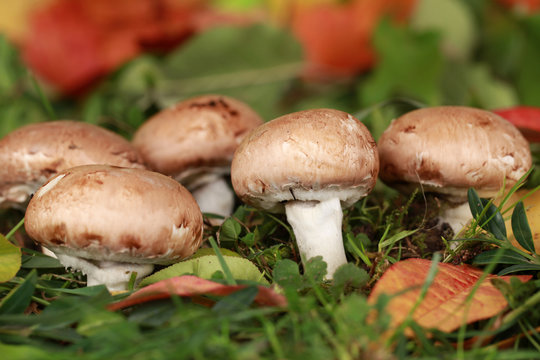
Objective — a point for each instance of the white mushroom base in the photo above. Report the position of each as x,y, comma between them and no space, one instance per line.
457,217
215,197
317,227
114,275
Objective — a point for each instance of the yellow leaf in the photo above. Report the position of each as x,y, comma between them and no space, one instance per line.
10,259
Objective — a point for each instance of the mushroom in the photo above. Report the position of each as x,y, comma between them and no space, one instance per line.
194,141
109,222
308,164
448,149
34,153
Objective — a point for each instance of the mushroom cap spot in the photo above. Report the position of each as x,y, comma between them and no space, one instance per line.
34,153
307,155
198,133
448,149
110,213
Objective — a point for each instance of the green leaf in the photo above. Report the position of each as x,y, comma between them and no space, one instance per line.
315,269
254,64
96,321
520,267
403,55
487,91
230,230
287,274
237,301
210,251
205,266
501,256
521,229
10,259
528,71
18,299
490,219
25,352
452,19
346,277
39,261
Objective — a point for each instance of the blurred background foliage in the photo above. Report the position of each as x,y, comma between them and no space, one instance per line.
117,63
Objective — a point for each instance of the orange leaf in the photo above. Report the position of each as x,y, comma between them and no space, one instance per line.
444,306
193,286
337,37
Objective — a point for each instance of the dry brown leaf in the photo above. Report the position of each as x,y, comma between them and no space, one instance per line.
445,306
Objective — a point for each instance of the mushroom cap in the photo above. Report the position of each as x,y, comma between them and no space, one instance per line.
448,149
307,155
196,135
110,213
34,153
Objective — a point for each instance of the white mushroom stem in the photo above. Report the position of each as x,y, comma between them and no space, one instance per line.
215,197
317,227
114,275
457,216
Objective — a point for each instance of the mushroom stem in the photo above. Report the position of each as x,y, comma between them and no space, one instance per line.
317,227
215,197
113,274
457,216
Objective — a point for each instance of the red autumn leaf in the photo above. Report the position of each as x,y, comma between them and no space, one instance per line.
337,37
72,43
445,305
193,286
525,118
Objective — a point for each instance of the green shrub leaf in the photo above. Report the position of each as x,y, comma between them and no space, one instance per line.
521,229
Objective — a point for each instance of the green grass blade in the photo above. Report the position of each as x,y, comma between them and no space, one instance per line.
521,229
226,271
19,297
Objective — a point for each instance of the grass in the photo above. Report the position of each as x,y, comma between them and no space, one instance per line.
47,313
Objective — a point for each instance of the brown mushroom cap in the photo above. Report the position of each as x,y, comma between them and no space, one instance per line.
110,213
34,153
308,155
449,149
198,133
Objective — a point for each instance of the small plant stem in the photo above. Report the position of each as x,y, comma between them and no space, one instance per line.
15,229
527,305
41,301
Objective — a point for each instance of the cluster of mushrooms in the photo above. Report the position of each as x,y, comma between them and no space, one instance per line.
112,209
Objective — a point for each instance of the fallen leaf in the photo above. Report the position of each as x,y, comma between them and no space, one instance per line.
205,266
337,37
445,306
525,118
193,286
10,259
531,203
72,43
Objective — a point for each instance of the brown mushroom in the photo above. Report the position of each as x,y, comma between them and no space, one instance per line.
308,164
447,150
34,153
194,142
109,221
